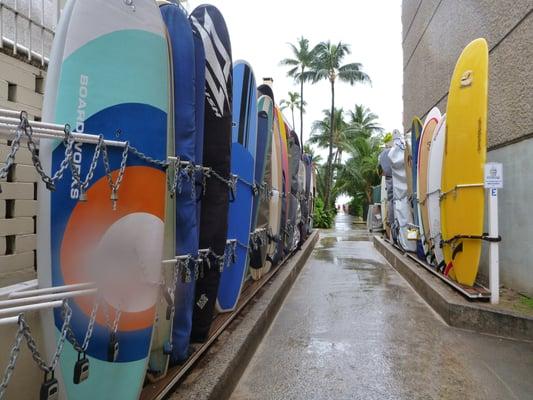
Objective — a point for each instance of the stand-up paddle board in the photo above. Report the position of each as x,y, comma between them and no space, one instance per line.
209,24
263,173
110,76
295,154
426,139
436,154
306,211
402,210
276,200
242,165
286,185
462,207
300,196
184,128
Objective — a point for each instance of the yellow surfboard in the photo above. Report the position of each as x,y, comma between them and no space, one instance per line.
463,195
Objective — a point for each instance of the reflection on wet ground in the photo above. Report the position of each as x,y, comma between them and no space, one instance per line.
352,328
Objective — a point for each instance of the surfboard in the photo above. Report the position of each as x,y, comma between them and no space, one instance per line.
243,152
184,129
262,202
274,220
416,131
436,154
300,196
408,160
402,210
102,48
462,208
384,205
208,23
286,185
307,195
295,155
430,123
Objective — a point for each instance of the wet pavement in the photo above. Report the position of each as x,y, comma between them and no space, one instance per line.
352,328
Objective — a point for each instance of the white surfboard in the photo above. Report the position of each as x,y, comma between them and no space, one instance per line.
436,154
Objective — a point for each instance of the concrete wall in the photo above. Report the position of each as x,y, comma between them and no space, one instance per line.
20,89
434,34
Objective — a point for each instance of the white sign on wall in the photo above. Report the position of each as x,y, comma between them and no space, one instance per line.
493,175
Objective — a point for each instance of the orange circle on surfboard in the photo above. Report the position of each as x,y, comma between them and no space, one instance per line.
94,232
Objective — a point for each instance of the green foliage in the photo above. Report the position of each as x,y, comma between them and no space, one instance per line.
356,206
323,218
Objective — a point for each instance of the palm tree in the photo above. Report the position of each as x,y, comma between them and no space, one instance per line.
363,122
300,65
294,102
327,64
360,172
320,132
316,159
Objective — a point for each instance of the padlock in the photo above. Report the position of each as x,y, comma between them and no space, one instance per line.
83,196
81,369
50,186
112,348
49,388
114,199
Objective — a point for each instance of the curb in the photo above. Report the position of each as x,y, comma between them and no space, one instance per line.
451,306
218,372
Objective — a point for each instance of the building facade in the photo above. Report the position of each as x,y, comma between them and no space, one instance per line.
434,34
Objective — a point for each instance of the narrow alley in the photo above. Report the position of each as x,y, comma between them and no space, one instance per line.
352,328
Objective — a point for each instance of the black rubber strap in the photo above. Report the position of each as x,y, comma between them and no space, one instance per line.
484,236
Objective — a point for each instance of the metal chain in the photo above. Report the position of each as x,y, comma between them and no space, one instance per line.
32,346
148,159
176,186
13,356
32,147
191,176
90,173
113,328
114,186
88,334
15,145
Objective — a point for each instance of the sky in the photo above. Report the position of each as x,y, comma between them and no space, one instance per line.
260,31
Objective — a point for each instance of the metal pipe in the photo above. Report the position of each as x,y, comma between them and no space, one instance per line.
24,49
46,297
42,32
11,116
1,25
19,287
30,22
15,37
53,289
9,320
30,307
43,133
462,186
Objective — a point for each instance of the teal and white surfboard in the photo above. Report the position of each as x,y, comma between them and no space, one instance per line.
109,74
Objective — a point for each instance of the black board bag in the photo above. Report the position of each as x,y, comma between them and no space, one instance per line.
209,24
